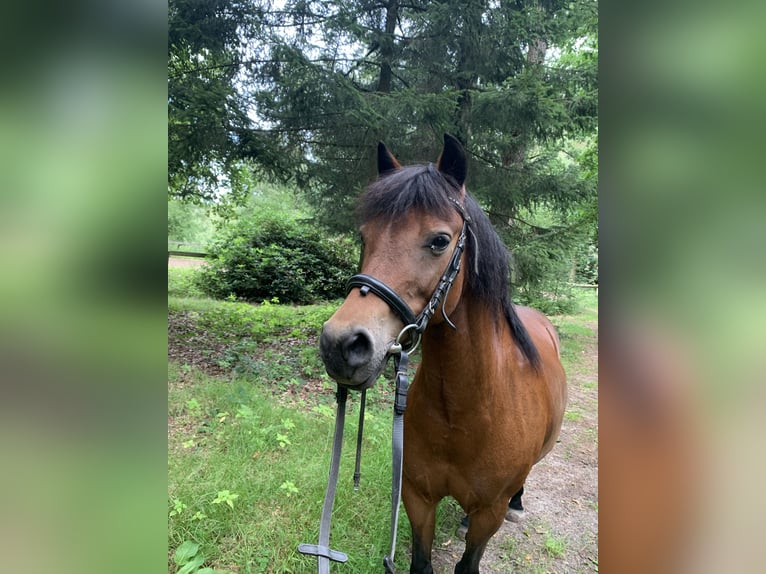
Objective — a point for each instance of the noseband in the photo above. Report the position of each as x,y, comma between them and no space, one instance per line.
414,325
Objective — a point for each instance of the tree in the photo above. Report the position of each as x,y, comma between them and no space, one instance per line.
210,127
189,223
310,88
351,73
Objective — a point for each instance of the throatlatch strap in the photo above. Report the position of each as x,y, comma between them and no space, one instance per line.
397,452
322,550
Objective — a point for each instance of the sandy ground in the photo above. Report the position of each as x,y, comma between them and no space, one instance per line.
185,261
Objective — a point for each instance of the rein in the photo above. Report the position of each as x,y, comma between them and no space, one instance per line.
400,350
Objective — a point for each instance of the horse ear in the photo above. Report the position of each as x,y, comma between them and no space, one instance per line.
386,161
452,160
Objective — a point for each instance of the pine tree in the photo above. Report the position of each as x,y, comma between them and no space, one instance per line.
304,91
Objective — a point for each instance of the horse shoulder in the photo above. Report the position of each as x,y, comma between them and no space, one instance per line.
540,328
551,373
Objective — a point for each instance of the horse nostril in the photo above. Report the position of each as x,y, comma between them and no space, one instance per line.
357,348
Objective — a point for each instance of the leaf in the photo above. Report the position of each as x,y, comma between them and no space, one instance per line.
185,552
288,424
192,565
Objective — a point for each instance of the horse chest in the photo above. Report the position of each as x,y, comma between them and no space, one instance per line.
453,461
444,437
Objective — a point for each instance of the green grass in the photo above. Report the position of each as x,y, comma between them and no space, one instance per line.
587,302
181,282
229,440
576,331
554,545
535,552
228,320
573,415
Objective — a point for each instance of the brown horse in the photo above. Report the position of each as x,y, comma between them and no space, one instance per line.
488,398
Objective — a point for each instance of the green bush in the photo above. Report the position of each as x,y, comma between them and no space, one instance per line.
272,255
587,263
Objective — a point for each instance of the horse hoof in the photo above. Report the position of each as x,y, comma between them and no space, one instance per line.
513,515
462,530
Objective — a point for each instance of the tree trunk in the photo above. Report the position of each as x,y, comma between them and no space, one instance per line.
387,47
535,57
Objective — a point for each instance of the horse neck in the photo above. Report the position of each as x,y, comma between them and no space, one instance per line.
457,361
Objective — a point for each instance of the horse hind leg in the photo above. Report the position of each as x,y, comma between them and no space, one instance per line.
515,512
482,525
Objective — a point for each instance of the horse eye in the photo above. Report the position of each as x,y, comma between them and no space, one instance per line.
439,244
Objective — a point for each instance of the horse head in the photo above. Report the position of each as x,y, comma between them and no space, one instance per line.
413,231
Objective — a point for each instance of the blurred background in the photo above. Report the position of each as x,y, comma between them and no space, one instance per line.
82,326
683,274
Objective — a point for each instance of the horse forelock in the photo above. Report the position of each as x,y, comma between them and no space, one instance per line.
399,191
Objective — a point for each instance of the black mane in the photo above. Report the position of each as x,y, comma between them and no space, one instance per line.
425,187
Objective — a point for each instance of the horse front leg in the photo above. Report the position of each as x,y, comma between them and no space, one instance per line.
482,525
422,515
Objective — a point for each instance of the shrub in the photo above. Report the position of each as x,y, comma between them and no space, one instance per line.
272,255
541,266
587,263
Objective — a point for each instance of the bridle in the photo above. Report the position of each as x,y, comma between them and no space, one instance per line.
414,325
404,344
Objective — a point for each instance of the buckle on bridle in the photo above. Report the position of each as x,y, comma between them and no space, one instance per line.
397,347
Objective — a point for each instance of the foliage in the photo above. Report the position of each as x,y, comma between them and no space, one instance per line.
547,261
586,260
273,256
324,81
264,342
182,282
407,72
189,222
304,90
229,321
541,265
210,132
226,497
263,196
280,487
586,216
189,560
553,248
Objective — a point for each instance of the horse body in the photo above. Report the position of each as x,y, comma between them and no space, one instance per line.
488,398
478,418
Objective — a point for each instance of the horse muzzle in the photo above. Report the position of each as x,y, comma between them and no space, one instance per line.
350,356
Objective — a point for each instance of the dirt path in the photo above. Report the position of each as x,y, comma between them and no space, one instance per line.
185,261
